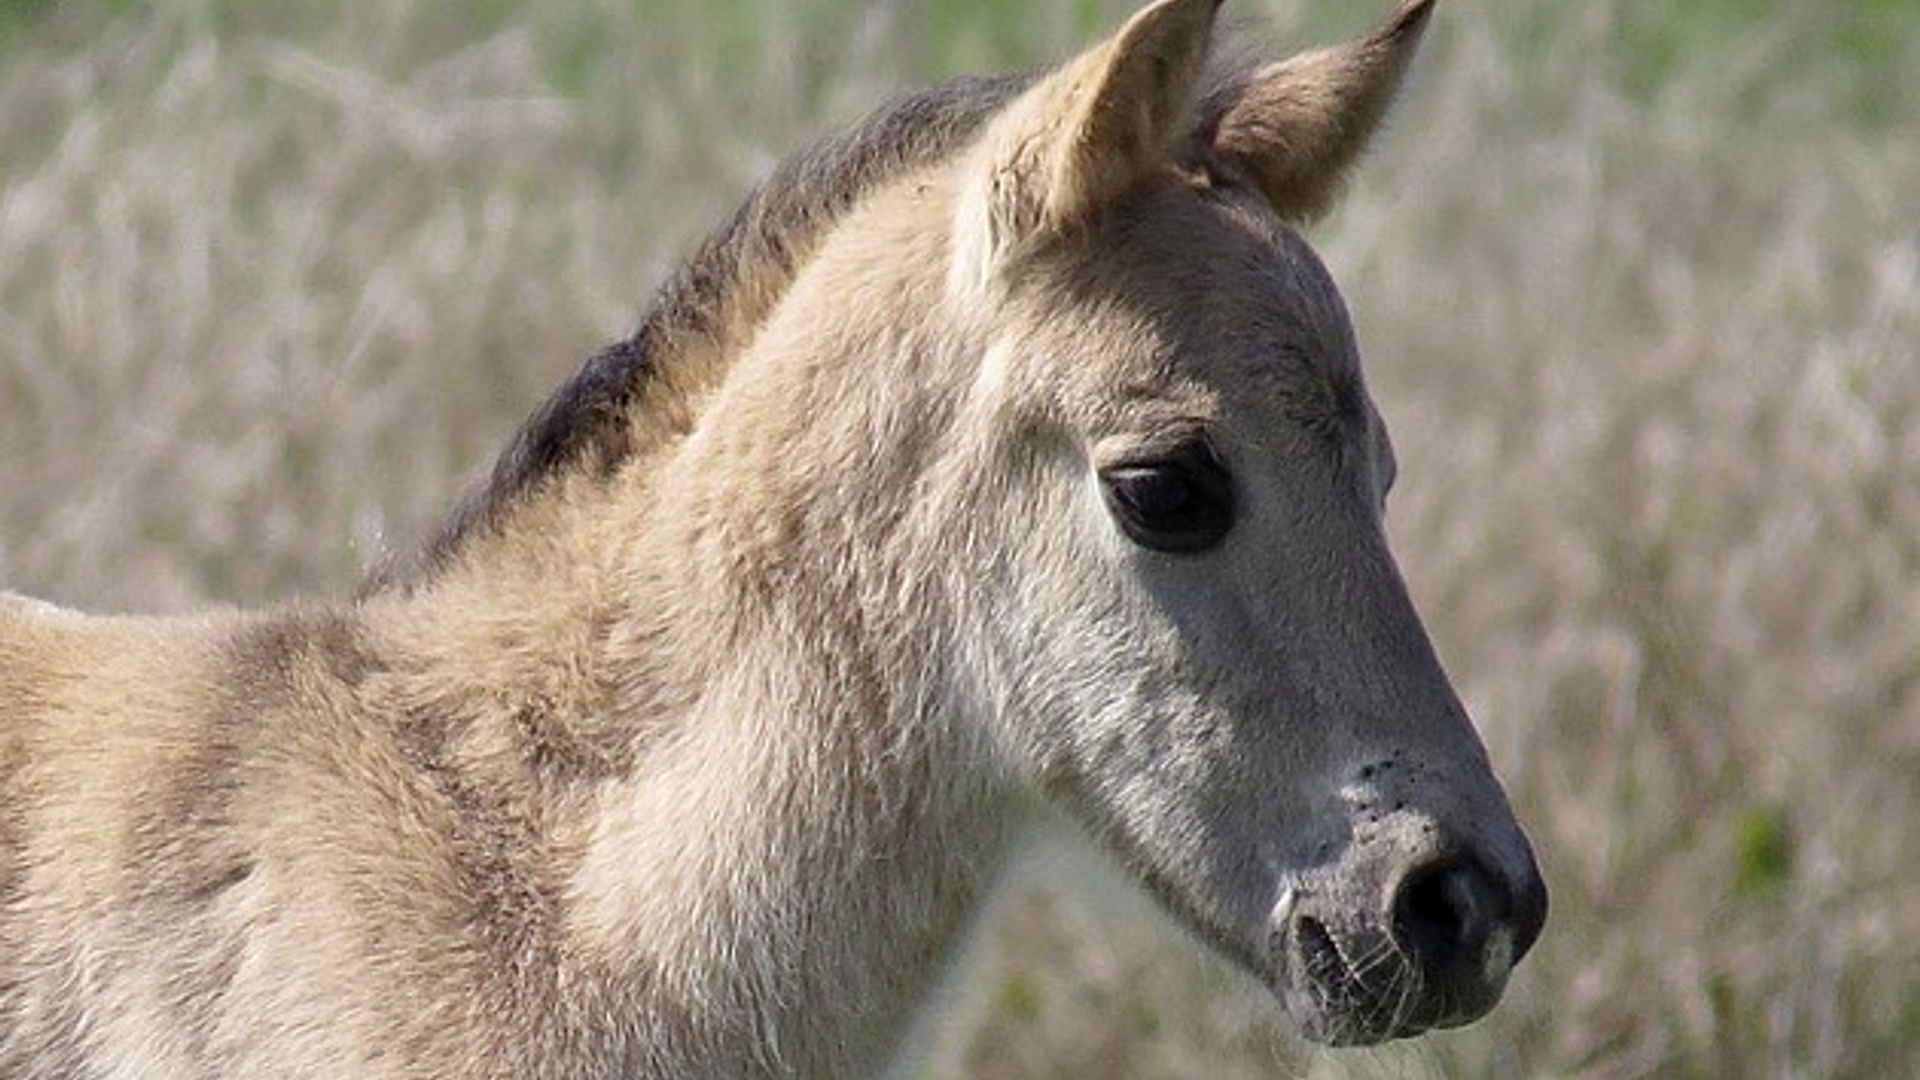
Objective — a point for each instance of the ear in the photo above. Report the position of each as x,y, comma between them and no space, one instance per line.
1089,131
1294,128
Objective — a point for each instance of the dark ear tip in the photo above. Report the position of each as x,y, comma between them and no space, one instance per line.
1408,19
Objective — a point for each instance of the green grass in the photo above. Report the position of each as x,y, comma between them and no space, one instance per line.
1870,48
1639,285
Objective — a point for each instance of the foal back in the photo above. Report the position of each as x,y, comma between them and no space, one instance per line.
206,798
97,732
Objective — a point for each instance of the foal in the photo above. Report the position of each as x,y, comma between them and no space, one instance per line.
1010,445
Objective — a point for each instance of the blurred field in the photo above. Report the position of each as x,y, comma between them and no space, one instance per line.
1639,285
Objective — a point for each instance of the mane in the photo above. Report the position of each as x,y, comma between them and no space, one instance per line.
626,392
589,422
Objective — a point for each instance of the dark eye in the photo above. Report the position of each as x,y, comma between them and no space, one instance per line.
1181,502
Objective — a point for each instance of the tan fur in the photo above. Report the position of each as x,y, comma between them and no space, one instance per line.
1098,127
1297,126
698,767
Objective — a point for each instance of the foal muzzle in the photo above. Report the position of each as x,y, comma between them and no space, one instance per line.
1367,954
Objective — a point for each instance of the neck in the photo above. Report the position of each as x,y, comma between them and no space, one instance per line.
767,815
760,846
786,872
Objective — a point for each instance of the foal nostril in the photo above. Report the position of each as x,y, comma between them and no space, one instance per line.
1444,913
1530,912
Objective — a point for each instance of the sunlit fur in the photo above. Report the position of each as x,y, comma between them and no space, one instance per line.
692,743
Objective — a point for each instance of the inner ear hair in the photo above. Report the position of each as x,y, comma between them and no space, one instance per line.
1293,129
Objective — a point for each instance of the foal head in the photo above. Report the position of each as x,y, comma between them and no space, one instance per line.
1183,617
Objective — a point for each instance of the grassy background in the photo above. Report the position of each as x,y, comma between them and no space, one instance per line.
1639,284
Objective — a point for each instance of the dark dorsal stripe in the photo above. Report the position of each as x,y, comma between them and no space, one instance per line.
586,423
